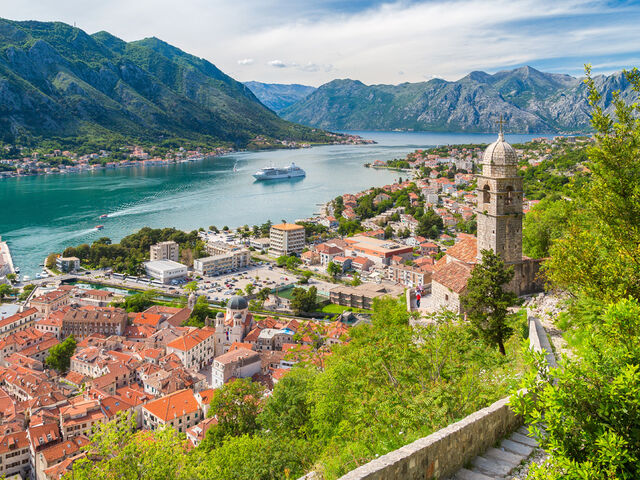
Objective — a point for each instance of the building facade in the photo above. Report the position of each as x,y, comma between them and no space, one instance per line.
286,239
165,251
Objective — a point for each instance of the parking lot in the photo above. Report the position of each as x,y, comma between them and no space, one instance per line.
220,288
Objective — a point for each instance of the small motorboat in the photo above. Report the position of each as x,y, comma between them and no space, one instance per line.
99,227
104,215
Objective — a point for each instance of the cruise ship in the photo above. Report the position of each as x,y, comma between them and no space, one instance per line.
275,173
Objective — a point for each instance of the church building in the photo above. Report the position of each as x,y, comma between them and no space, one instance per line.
233,325
499,216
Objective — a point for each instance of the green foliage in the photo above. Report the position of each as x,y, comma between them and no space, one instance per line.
236,405
139,302
543,224
200,312
334,269
128,255
598,256
304,301
430,225
486,301
6,291
26,291
59,357
592,409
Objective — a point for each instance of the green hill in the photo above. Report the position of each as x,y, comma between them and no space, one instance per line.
58,82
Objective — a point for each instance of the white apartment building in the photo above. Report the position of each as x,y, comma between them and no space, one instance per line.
165,251
286,239
217,264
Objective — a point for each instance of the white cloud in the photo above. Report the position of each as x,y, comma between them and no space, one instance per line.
279,64
305,41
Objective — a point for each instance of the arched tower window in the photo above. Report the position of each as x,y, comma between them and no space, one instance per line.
508,200
486,197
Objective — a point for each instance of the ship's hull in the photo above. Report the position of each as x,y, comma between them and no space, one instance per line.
278,176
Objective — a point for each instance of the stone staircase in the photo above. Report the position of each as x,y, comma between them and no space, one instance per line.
498,463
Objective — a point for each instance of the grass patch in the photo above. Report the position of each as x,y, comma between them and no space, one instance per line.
337,309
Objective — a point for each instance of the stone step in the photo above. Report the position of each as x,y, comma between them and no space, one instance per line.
491,467
517,437
524,431
515,447
504,456
464,474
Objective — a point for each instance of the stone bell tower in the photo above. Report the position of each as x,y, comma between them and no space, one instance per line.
499,207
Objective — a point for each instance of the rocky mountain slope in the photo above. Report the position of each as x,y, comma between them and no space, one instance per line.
530,100
278,96
56,81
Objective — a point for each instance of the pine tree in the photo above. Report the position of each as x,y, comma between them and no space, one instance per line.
486,301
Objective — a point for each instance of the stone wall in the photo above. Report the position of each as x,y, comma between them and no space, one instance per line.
446,451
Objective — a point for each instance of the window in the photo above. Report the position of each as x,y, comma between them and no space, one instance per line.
486,196
510,196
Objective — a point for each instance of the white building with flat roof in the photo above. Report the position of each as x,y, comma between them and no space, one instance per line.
165,270
225,262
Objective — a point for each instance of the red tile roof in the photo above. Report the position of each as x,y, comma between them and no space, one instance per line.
454,276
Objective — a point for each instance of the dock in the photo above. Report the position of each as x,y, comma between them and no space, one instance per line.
6,262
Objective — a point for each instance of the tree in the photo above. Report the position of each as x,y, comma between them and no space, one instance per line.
281,261
388,232
589,406
139,302
6,291
59,357
304,301
50,262
306,275
430,224
486,301
334,269
598,255
249,288
129,455
263,295
293,263
200,312
543,224
236,406
356,280
191,287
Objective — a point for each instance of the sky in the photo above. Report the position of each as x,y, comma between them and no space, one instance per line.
314,41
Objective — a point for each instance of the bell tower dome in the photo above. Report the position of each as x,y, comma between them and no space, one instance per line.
499,203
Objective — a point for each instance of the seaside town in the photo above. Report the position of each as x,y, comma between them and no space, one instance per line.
83,344
16,160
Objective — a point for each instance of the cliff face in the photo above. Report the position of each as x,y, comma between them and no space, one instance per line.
58,81
278,96
530,100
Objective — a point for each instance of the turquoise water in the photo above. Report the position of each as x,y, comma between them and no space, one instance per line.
44,214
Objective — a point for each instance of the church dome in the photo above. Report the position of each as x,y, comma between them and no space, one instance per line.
500,153
237,303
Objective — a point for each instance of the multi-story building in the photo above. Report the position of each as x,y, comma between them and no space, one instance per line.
180,409
286,239
195,349
221,263
410,276
17,322
82,322
50,301
165,251
68,264
239,363
361,296
14,454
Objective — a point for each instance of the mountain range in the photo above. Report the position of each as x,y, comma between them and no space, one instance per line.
278,96
530,101
56,81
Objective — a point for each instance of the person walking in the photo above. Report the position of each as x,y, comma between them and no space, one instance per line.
418,300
